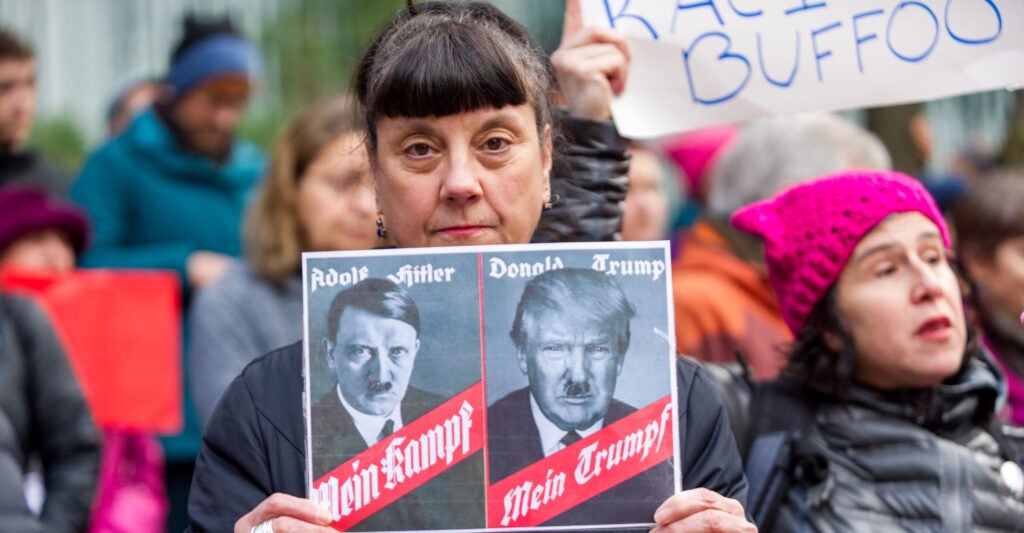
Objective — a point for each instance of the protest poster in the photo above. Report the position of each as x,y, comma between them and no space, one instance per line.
121,330
490,388
697,63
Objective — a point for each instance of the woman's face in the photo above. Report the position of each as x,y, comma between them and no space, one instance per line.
335,198
47,249
478,177
1001,277
645,209
900,300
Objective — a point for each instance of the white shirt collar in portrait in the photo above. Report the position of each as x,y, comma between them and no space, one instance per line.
370,426
551,435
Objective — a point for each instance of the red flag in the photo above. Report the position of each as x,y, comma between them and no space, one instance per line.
122,332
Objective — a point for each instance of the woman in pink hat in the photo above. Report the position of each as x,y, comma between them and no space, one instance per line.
883,417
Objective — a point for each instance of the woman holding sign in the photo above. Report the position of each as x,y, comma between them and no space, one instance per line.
461,132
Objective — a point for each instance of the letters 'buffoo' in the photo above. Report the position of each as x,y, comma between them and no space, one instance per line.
729,60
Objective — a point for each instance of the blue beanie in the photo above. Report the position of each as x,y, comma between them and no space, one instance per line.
218,55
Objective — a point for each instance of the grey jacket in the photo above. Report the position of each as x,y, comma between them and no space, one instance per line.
43,414
910,460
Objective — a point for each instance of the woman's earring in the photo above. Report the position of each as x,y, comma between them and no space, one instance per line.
552,200
381,230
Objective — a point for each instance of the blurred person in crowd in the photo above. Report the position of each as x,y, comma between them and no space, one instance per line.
170,191
40,234
883,418
43,415
18,163
989,225
696,153
723,300
651,199
459,126
179,161
317,196
129,101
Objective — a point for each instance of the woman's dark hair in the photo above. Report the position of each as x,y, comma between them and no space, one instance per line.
439,59
816,365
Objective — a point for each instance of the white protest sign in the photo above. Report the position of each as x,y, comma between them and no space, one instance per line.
702,62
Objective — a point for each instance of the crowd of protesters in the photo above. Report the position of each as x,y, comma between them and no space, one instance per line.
858,353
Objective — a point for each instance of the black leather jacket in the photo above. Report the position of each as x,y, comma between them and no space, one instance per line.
588,184
43,414
906,460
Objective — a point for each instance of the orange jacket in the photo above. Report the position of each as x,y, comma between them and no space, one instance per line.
724,303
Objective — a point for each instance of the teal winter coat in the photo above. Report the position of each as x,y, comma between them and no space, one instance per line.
152,204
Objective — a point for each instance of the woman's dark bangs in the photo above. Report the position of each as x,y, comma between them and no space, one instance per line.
448,71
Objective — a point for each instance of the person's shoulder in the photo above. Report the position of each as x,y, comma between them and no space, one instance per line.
700,387
514,399
276,363
274,375
22,309
248,158
239,282
688,369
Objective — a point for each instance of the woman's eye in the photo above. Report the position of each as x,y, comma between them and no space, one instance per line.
418,150
885,270
495,144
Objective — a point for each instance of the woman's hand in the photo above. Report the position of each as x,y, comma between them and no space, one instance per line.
701,510
591,64
287,514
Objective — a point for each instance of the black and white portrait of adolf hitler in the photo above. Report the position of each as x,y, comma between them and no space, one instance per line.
571,332
372,343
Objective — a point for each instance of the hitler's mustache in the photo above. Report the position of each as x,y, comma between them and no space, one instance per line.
576,388
377,387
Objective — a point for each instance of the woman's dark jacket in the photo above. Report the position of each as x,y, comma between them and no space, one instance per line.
588,183
255,445
911,460
42,414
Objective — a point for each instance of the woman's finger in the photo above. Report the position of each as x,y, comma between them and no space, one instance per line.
708,521
694,501
283,505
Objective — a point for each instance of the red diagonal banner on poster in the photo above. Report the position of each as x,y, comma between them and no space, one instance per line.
412,456
559,482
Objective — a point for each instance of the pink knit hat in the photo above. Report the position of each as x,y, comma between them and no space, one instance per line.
810,230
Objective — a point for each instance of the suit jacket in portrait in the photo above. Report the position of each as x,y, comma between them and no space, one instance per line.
452,500
514,444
